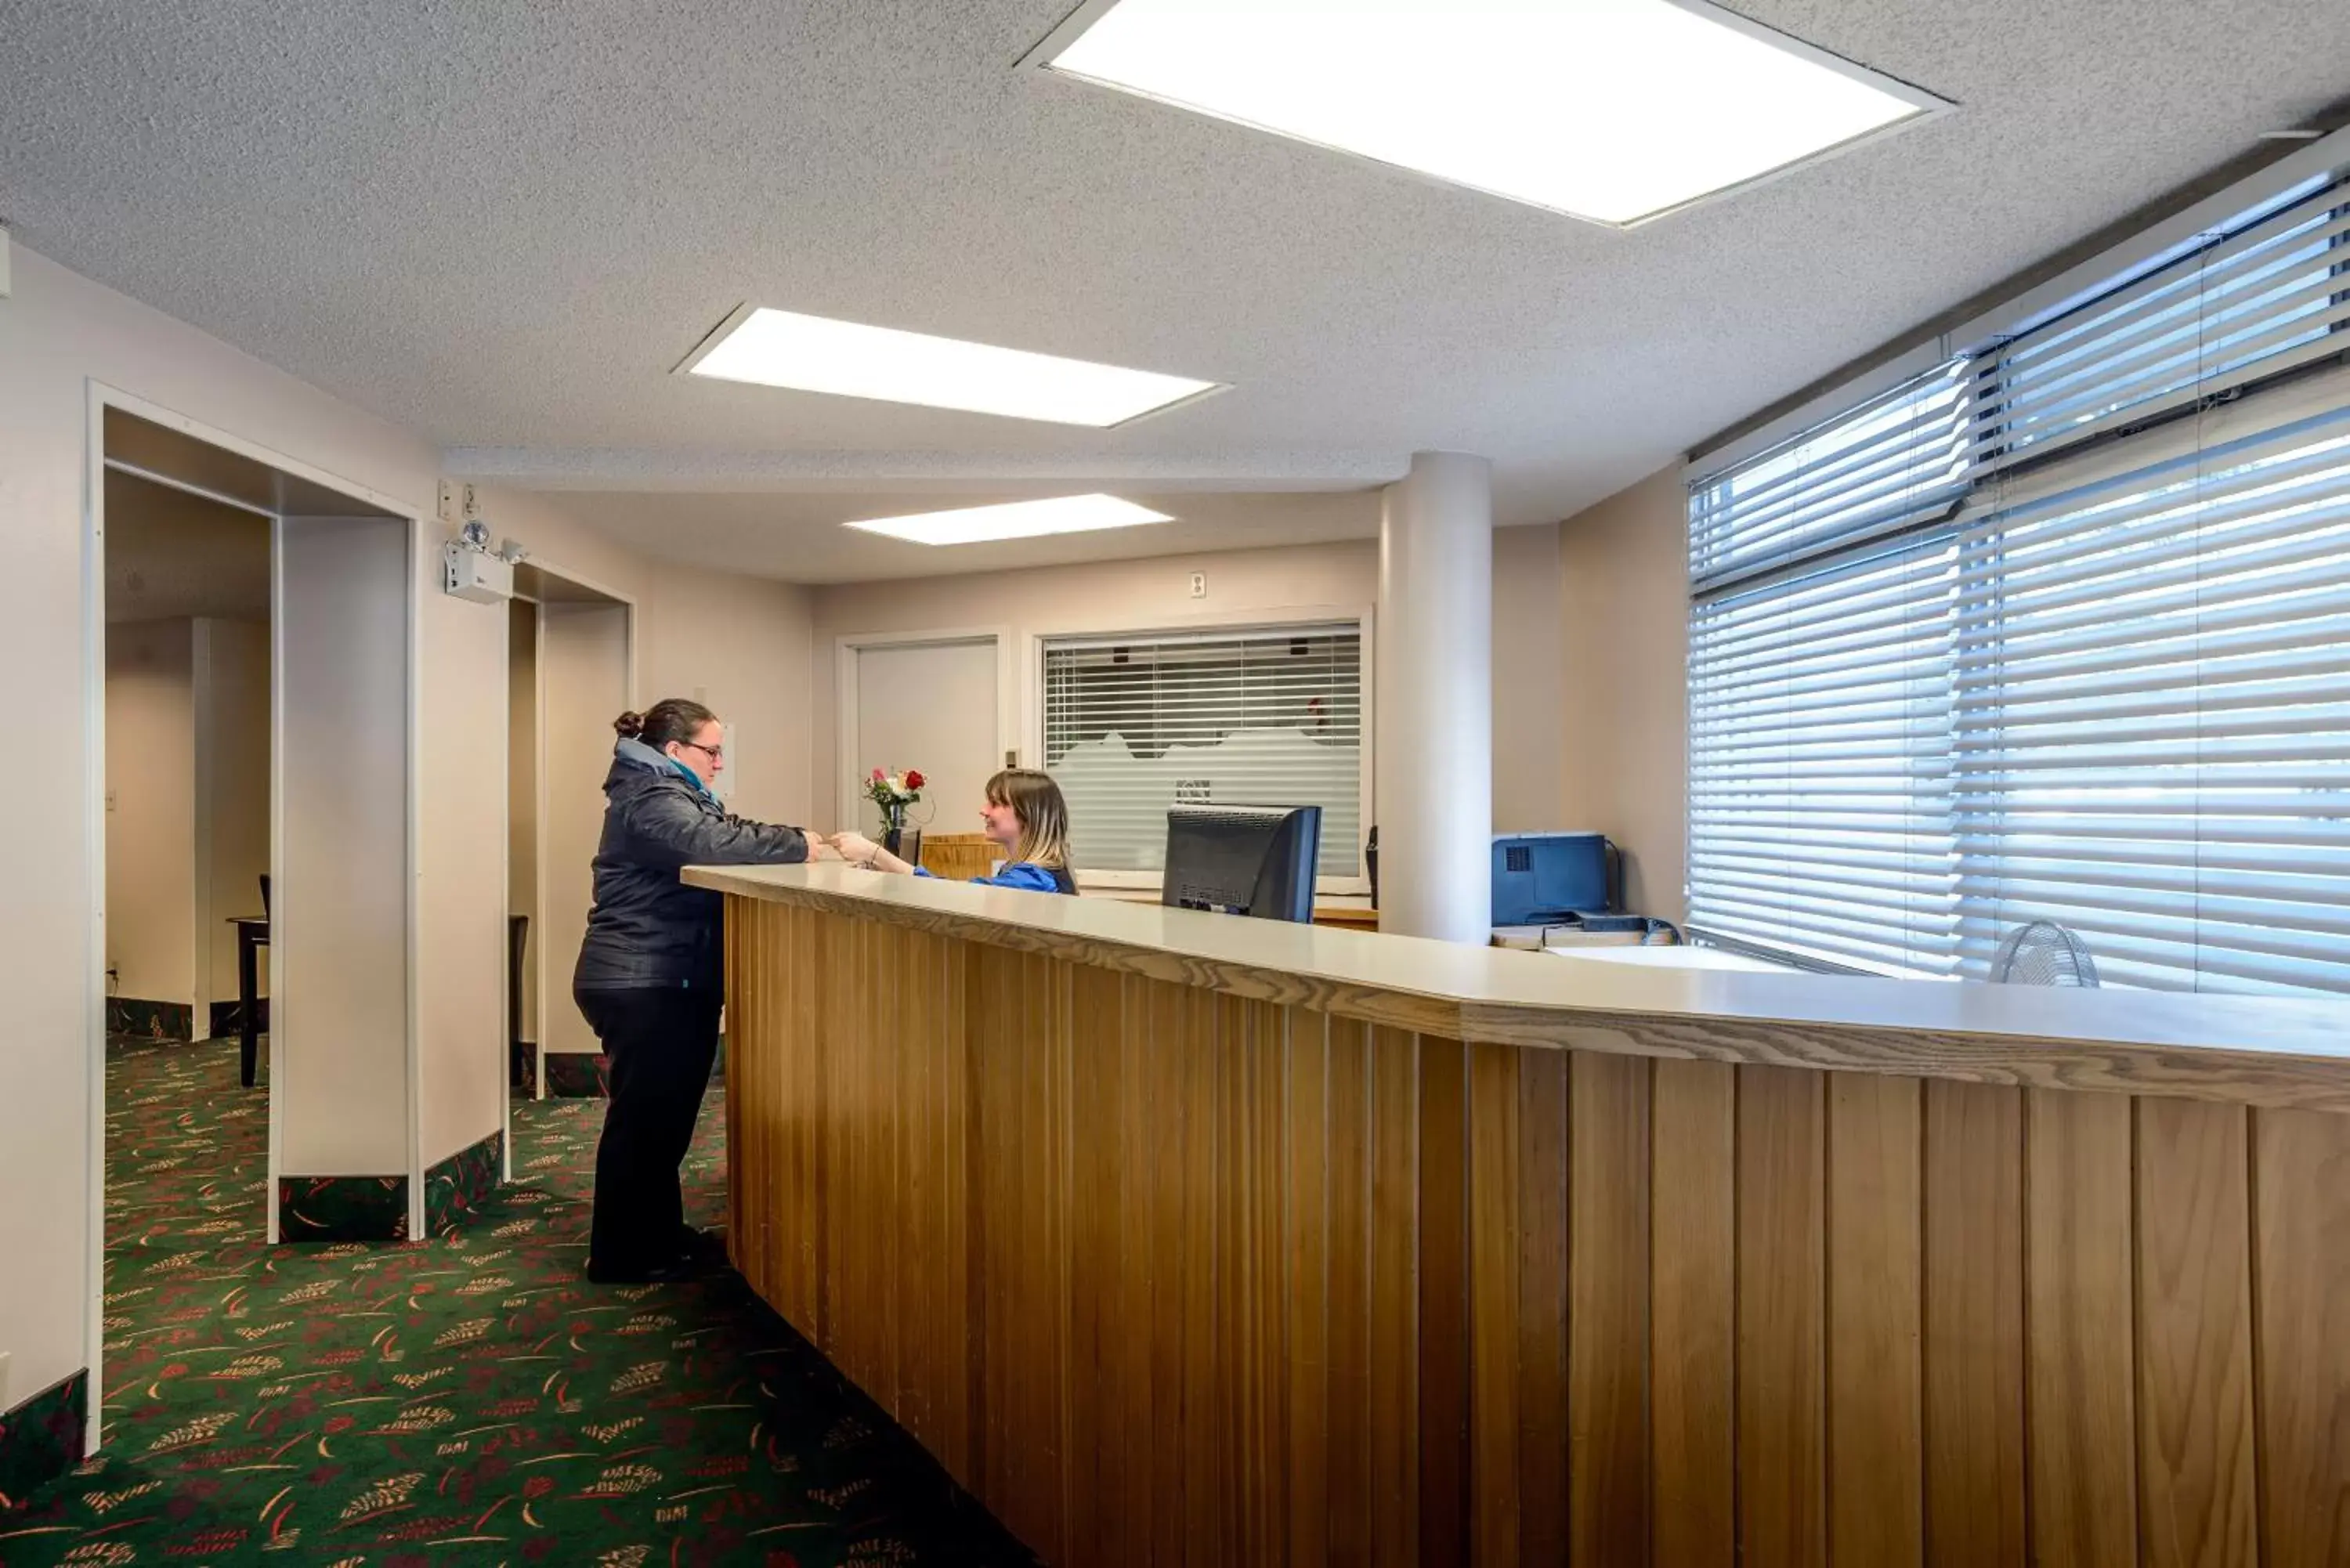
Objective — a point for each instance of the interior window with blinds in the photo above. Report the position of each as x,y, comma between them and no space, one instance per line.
1263,717
2058,633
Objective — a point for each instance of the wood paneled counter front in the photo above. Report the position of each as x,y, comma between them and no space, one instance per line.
1182,1239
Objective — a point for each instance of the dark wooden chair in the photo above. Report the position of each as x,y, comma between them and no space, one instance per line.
252,936
519,1053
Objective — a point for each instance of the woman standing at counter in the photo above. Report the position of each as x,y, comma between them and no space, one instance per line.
1024,816
651,978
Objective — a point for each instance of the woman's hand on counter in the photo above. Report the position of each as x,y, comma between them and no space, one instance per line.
854,847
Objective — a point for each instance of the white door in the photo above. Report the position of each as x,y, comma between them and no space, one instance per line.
931,707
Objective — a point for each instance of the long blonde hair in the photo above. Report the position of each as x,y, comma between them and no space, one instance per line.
1043,815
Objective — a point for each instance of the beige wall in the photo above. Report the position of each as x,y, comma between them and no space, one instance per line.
1529,676
231,686
740,647
187,820
741,642
1269,585
60,334
1625,694
150,818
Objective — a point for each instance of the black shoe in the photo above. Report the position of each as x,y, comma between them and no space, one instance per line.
702,1246
670,1272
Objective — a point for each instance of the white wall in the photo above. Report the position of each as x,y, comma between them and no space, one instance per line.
339,928
232,690
151,939
1269,585
1625,693
58,333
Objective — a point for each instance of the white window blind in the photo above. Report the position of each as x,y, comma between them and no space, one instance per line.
2153,707
1819,761
1891,464
2061,631
1269,716
2266,298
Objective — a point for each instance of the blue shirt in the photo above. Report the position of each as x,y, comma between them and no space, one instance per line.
1024,875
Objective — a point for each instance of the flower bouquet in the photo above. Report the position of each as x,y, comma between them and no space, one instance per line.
893,793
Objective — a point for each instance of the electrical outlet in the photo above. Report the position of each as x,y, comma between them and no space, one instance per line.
449,502
472,505
109,800
1199,585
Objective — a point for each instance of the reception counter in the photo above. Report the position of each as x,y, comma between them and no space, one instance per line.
1185,1239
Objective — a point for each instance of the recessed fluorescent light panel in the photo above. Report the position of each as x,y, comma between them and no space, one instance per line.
816,354
1015,520
1613,111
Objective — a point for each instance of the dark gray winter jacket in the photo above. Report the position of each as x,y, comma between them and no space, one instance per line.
646,927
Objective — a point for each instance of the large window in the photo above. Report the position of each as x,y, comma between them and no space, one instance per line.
2060,631
1270,716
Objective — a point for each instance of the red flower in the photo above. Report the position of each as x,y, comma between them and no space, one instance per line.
913,779
879,776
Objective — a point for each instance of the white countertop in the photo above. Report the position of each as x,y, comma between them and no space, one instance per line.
2255,1049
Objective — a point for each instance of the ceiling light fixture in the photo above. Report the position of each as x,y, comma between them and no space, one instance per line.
846,359
1613,111
1015,520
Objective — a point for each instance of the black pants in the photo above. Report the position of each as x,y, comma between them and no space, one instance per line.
661,1042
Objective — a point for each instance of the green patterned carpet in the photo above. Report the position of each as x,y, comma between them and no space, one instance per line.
469,1400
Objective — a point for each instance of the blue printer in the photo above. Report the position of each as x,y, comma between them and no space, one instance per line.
1554,878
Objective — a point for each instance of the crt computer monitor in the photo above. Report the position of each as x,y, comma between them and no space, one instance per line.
1242,859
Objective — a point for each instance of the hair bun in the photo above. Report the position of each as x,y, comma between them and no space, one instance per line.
629,726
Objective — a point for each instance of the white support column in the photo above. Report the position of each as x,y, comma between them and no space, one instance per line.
1433,768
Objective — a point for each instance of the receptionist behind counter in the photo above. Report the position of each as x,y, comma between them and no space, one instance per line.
1024,816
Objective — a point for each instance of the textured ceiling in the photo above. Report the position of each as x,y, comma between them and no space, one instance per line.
799,535
502,225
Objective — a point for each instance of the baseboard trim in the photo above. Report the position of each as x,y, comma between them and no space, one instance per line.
456,1187
143,1020
579,1075
342,1208
42,1438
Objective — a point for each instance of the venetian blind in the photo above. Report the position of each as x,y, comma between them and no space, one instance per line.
1263,717
1894,463
1819,765
2104,567
2152,702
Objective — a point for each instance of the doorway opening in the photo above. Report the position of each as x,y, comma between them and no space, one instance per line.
248,645
571,663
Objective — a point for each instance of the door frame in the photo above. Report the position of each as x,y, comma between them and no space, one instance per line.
845,650
99,396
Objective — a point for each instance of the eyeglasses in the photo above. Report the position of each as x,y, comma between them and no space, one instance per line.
715,753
